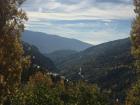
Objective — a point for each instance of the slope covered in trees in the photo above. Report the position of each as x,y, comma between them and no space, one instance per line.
41,89
59,55
104,64
100,58
133,97
38,58
39,62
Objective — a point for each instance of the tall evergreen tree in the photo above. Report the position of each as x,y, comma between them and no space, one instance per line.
12,61
135,35
133,97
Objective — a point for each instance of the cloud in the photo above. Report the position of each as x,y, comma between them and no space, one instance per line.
82,10
93,21
93,31
116,1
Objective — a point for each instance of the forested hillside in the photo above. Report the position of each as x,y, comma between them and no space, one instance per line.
39,62
101,58
60,55
18,60
104,64
133,96
105,74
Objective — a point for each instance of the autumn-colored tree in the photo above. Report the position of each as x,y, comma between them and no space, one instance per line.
42,90
40,78
135,35
12,61
133,97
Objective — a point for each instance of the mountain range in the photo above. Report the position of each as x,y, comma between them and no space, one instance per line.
105,64
47,43
39,62
97,57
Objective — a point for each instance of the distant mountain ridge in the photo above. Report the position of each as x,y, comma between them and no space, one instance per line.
38,58
106,54
57,56
47,43
39,62
110,65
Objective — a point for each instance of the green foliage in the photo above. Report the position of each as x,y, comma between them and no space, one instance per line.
42,91
133,97
12,61
105,65
135,35
39,62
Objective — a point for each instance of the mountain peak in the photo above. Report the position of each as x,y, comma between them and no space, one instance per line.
48,43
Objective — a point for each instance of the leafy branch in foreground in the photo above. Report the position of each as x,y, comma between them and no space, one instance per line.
12,60
133,97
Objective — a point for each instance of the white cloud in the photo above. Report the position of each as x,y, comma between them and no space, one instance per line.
40,12
83,10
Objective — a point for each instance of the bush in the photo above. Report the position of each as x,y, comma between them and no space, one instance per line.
133,97
42,91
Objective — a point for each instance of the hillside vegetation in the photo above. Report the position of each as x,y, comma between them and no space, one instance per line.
105,74
104,64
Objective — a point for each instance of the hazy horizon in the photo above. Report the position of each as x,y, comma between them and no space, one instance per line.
75,38
89,21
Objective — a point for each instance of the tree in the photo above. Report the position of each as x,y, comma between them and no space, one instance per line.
135,35
42,90
133,97
12,60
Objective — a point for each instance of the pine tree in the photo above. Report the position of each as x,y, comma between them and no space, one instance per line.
12,60
133,97
135,35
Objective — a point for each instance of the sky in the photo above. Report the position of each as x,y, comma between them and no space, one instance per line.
91,21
